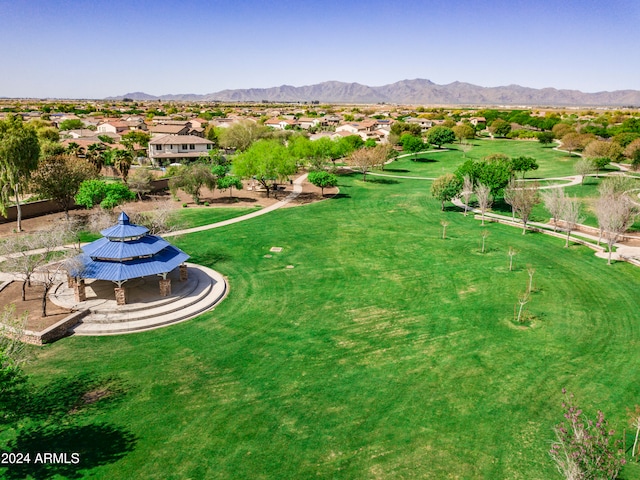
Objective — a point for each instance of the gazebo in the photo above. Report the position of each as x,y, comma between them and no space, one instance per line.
125,252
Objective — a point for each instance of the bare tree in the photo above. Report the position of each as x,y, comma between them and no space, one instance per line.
615,213
553,200
364,160
523,299
571,215
444,224
161,220
523,198
584,167
467,191
465,147
485,234
21,259
485,199
531,271
512,252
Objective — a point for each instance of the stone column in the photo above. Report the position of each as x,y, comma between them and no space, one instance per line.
184,274
165,287
79,291
121,298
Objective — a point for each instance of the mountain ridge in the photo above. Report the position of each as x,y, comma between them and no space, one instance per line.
415,91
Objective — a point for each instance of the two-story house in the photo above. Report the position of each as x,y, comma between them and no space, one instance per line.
167,149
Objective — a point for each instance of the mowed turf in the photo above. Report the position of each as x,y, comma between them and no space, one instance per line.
385,352
552,163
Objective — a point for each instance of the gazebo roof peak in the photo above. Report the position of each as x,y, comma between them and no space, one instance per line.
123,219
124,229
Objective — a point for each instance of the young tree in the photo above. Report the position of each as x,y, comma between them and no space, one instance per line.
546,138
191,179
485,234
229,182
446,188
485,199
323,180
522,197
466,192
512,252
585,448
267,161
444,224
60,177
615,213
570,212
440,135
553,200
466,148
19,153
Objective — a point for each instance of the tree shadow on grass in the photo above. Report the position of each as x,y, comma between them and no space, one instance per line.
209,258
54,415
423,160
95,445
397,170
381,180
59,399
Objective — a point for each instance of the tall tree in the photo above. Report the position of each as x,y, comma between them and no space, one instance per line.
485,199
584,167
554,201
440,135
191,179
464,132
122,160
46,180
19,153
615,211
266,160
571,215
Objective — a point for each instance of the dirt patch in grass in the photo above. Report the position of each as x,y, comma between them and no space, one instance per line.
12,294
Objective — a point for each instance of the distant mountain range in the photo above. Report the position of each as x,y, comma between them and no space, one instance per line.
418,91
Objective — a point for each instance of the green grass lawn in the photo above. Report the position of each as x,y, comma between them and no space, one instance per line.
552,163
386,352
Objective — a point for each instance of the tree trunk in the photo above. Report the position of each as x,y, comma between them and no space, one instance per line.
18,210
24,290
44,301
567,242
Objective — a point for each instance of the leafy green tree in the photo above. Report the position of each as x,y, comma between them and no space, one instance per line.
135,137
108,195
49,134
440,135
211,135
446,188
51,149
411,144
71,124
493,171
323,179
46,180
524,164
241,135
229,182
191,178
464,132
267,161
546,138
19,153
500,128
401,128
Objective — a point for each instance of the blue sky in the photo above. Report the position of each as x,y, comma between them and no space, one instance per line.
94,49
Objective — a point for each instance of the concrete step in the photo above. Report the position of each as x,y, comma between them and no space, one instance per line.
163,315
175,303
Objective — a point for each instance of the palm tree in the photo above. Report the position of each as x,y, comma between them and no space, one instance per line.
122,160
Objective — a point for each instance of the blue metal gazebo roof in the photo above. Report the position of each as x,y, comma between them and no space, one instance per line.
165,261
127,252
124,229
116,250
